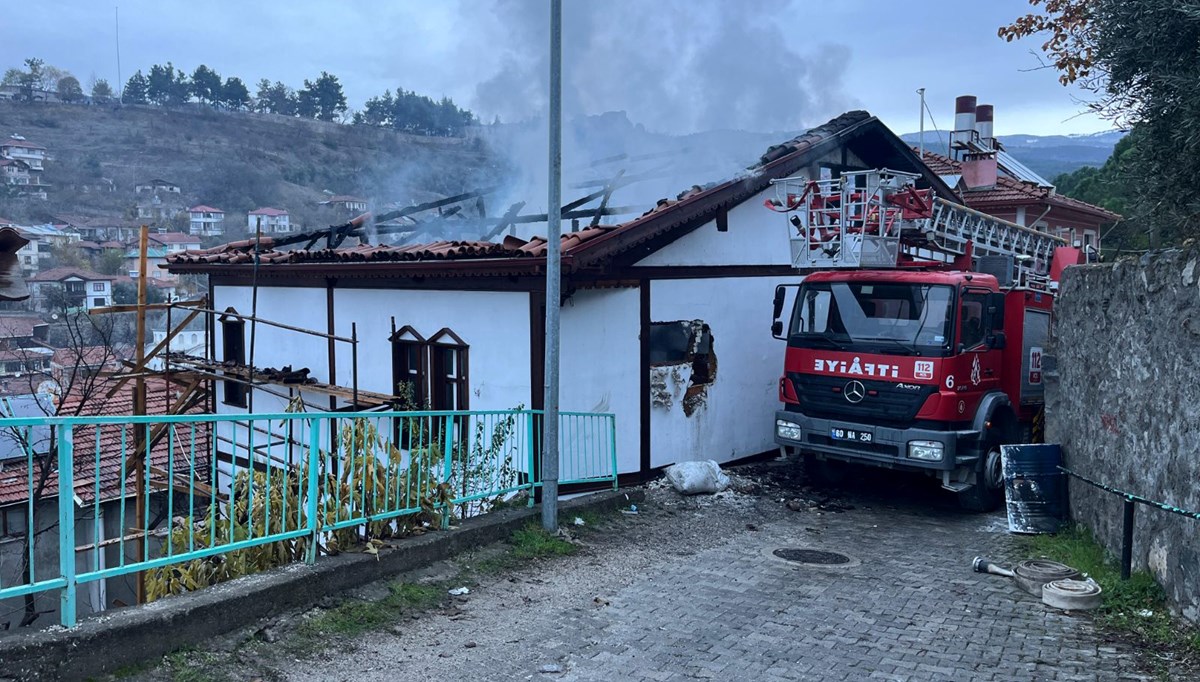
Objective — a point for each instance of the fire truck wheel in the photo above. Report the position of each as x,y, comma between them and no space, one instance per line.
988,492
826,472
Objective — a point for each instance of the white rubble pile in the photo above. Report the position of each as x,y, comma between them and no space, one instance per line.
694,478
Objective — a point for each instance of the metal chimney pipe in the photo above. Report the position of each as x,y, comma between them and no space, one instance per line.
964,123
984,114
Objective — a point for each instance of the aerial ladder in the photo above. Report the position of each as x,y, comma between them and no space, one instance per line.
879,219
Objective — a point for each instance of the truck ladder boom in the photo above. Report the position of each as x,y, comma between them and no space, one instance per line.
878,219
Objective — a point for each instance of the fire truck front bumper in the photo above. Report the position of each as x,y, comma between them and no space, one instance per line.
904,448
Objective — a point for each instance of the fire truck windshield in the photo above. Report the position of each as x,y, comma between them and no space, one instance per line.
910,319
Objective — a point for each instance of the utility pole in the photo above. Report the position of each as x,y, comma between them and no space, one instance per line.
553,278
139,408
117,34
921,139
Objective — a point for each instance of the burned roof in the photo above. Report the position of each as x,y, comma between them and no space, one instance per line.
588,247
160,395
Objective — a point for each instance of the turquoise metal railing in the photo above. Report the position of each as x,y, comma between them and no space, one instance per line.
297,484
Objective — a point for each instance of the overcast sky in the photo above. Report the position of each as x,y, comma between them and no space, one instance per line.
673,65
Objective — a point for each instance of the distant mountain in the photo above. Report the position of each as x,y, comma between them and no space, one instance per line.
1048,155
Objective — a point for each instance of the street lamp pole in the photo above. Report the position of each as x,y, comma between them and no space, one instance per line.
553,278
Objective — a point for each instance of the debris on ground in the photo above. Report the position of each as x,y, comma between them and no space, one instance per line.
694,478
550,668
459,591
632,509
578,521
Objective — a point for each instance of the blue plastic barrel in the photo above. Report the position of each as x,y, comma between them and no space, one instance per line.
1034,487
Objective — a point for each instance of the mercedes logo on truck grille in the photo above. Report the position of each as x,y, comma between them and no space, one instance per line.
854,391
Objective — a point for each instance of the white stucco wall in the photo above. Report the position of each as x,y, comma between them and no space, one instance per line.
495,324
756,236
736,417
599,364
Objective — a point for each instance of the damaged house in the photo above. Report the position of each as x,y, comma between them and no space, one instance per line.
665,317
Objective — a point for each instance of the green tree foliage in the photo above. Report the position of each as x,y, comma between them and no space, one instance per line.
275,98
234,94
110,262
206,84
31,78
68,255
322,99
137,90
102,91
125,293
417,114
1112,186
69,89
168,87
1138,58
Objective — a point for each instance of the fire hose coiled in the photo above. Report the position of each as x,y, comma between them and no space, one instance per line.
1072,595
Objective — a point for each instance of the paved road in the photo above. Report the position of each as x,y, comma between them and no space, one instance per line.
689,589
685,591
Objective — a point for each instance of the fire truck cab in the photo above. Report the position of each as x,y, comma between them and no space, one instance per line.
930,359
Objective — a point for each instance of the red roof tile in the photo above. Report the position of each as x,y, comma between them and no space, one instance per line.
174,238
271,212
14,479
23,144
201,208
1010,191
18,326
90,356
59,274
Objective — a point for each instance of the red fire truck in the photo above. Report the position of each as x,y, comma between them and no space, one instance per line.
915,339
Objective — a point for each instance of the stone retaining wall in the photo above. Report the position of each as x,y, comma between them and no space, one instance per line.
1123,399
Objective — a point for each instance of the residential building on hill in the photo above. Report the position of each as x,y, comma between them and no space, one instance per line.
206,221
175,241
273,220
156,186
346,202
72,288
21,165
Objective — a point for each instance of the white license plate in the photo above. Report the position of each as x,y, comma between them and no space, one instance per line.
852,435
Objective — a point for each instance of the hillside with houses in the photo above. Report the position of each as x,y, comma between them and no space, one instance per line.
102,170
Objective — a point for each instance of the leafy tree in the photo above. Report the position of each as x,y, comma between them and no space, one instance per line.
12,77
69,89
166,86
31,80
234,94
137,90
1137,57
110,262
125,293
206,84
377,111
102,91
322,99
275,99
67,255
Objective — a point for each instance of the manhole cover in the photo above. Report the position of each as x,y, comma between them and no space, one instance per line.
811,556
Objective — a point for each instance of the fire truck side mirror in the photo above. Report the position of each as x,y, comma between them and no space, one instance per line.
780,295
777,329
996,309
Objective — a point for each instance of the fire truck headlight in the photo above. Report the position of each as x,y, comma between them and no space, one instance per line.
787,430
929,450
